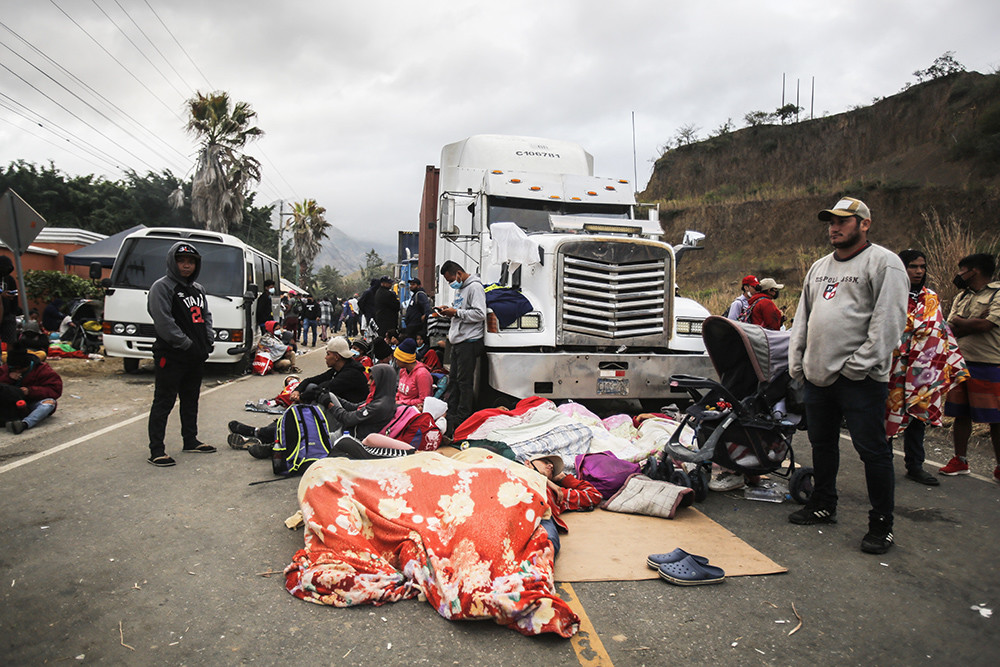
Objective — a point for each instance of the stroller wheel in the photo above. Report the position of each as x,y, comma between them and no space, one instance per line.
699,482
800,486
681,478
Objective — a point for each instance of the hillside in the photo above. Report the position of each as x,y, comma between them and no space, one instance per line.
347,254
934,148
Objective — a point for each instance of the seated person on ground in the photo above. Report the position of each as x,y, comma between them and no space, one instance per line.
344,377
565,492
363,349
34,340
282,355
381,353
415,380
29,388
428,356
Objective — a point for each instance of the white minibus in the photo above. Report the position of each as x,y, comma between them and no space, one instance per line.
232,274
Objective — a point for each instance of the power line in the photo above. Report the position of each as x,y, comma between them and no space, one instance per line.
143,33
52,143
190,59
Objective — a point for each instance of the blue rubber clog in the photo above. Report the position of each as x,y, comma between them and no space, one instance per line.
654,561
689,572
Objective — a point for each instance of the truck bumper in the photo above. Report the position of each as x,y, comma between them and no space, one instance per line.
567,375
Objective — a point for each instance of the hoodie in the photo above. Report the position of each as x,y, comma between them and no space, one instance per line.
374,415
469,323
179,308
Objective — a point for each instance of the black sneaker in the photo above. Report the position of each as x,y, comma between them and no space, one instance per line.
258,449
808,516
923,477
878,539
243,429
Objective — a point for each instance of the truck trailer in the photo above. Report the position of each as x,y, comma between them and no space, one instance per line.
528,214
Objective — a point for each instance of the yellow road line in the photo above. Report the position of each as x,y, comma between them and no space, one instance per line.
586,643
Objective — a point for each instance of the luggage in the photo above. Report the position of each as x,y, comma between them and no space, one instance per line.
605,471
303,437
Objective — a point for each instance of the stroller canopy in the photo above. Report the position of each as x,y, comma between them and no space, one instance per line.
744,355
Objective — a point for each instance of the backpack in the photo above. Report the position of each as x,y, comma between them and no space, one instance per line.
744,315
303,437
415,428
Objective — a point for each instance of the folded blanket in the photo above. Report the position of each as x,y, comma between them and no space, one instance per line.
642,495
463,531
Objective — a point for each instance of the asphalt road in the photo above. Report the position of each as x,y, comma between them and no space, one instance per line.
100,550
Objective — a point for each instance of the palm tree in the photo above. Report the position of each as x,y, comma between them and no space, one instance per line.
309,227
222,174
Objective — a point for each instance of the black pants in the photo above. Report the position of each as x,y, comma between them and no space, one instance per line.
461,379
175,379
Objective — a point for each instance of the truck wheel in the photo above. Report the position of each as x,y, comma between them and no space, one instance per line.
131,365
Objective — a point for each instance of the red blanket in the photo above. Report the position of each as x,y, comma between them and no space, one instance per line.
462,531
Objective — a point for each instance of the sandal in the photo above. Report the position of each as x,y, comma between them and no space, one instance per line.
654,561
689,572
162,461
200,449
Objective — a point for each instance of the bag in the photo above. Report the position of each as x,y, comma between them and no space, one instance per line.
605,471
414,428
303,437
744,315
262,364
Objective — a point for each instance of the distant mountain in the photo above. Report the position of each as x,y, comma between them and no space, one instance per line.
347,254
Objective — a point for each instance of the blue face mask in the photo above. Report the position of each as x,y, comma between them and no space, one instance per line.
457,284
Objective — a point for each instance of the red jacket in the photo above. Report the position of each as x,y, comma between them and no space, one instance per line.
42,382
577,495
764,312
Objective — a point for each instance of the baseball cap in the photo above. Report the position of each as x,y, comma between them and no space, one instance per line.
751,281
385,279
341,347
555,460
846,207
186,249
414,281
770,283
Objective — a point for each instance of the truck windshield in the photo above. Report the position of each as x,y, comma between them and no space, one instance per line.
142,261
532,215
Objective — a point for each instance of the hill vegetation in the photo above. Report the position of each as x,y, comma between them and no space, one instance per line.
926,161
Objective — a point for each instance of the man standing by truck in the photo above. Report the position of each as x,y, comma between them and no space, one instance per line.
179,308
465,337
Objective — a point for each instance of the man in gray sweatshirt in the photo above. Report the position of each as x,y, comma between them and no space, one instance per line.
465,336
849,319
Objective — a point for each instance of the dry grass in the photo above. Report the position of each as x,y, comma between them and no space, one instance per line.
947,242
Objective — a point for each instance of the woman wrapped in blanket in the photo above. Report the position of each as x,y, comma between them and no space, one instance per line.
565,493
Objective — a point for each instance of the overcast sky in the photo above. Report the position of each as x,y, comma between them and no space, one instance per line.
356,98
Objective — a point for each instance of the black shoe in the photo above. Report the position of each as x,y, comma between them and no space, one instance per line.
808,516
923,477
243,429
17,426
878,539
259,450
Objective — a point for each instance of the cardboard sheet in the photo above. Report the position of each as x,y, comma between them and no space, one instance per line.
610,546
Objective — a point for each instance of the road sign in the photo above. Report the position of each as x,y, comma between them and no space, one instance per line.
19,226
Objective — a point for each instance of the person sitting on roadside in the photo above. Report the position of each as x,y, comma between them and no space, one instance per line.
34,340
415,380
740,304
53,315
565,493
762,310
381,352
280,354
429,356
29,389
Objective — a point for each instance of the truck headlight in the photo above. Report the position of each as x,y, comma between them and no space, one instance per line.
530,321
118,328
131,329
689,327
223,335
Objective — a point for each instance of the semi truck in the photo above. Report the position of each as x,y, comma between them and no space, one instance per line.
527,214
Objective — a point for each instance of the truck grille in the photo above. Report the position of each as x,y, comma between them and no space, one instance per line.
613,291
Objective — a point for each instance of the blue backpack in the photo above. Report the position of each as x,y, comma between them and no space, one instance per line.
303,437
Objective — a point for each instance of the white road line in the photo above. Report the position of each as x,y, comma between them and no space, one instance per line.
899,453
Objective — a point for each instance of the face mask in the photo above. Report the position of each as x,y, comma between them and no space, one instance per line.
960,282
456,284
270,290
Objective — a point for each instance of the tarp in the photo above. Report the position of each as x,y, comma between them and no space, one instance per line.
104,251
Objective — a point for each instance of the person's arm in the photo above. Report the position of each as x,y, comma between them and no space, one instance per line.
42,383
158,305
886,325
772,316
797,339
966,326
577,494
475,305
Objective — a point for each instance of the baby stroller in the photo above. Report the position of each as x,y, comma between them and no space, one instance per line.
84,332
744,422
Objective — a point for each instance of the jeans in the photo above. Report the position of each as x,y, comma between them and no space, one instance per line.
550,527
913,444
39,410
861,403
306,326
175,379
461,379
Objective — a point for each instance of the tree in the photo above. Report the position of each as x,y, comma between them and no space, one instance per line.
374,266
222,174
943,65
309,227
686,135
786,112
755,118
329,281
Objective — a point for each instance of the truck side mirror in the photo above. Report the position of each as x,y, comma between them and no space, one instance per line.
96,270
447,226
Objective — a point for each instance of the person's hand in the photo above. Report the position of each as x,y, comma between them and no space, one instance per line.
24,390
558,490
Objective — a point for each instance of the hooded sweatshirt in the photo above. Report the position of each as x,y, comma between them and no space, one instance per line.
179,308
373,416
469,323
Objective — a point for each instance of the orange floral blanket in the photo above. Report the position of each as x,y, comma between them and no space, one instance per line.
462,531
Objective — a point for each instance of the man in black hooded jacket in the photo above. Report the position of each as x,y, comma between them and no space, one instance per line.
183,323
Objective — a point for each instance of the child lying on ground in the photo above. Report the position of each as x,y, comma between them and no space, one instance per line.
566,493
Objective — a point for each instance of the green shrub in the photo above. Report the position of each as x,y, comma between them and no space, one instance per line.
46,285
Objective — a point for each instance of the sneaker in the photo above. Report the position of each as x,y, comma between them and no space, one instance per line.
878,539
727,481
923,477
17,426
955,467
236,441
808,516
243,429
258,449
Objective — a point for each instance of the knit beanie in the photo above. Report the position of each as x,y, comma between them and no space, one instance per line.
406,352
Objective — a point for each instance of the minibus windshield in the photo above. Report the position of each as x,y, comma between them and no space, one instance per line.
143,260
